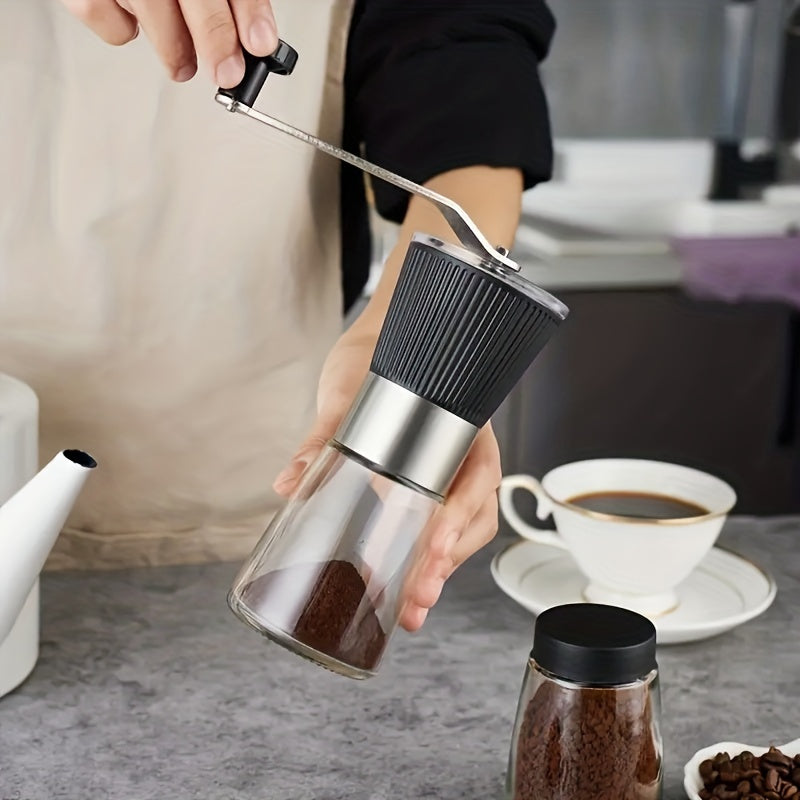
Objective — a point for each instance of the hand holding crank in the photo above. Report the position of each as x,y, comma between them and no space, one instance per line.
185,31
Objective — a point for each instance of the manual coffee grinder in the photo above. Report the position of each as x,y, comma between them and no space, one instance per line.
328,578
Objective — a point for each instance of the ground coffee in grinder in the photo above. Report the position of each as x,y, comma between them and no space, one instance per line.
587,725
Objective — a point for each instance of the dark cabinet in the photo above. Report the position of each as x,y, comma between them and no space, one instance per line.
654,374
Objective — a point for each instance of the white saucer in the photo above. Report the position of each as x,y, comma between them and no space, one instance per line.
725,591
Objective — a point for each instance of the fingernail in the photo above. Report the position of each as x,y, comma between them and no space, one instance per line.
263,37
290,474
230,72
185,73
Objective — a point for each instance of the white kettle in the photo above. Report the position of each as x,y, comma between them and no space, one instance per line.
35,509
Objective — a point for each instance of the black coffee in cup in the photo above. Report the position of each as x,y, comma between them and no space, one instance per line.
643,505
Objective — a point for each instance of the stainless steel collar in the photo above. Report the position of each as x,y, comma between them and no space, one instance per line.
405,436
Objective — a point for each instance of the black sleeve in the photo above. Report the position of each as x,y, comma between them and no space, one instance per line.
433,85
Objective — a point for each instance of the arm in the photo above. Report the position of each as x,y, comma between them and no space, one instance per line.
491,196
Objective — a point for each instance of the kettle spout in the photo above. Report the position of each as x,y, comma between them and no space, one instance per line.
30,522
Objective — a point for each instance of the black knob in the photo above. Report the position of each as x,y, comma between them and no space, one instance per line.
256,70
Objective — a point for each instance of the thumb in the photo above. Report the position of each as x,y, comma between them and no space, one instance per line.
322,431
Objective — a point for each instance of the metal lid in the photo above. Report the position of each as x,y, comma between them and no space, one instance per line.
512,278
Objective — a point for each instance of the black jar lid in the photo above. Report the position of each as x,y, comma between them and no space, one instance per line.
594,644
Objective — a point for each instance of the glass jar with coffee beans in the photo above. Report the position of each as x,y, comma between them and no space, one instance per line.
588,720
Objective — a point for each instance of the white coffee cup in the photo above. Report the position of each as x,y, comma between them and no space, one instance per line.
632,562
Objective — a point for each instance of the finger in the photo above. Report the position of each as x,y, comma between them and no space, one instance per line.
424,587
479,476
110,22
215,38
255,23
165,27
427,580
481,530
413,618
433,569
323,429
466,522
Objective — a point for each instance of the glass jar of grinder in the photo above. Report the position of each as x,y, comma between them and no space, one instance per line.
588,719
327,580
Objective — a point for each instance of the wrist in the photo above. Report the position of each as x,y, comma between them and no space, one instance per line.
369,322
492,196
367,326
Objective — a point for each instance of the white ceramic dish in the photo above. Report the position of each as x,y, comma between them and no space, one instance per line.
651,189
725,591
681,167
633,213
692,782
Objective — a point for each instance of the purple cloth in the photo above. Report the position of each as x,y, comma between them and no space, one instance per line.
737,270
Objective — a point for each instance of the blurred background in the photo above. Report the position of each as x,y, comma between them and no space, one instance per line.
669,229
630,68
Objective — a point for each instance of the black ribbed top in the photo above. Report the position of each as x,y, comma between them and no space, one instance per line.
461,336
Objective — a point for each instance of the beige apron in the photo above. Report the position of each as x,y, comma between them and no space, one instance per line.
169,277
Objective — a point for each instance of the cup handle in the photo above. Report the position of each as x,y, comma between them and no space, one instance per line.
544,508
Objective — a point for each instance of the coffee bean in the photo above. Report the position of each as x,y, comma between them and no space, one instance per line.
705,794
776,759
773,776
706,768
771,780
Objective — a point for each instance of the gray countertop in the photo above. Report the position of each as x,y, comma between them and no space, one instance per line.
147,687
